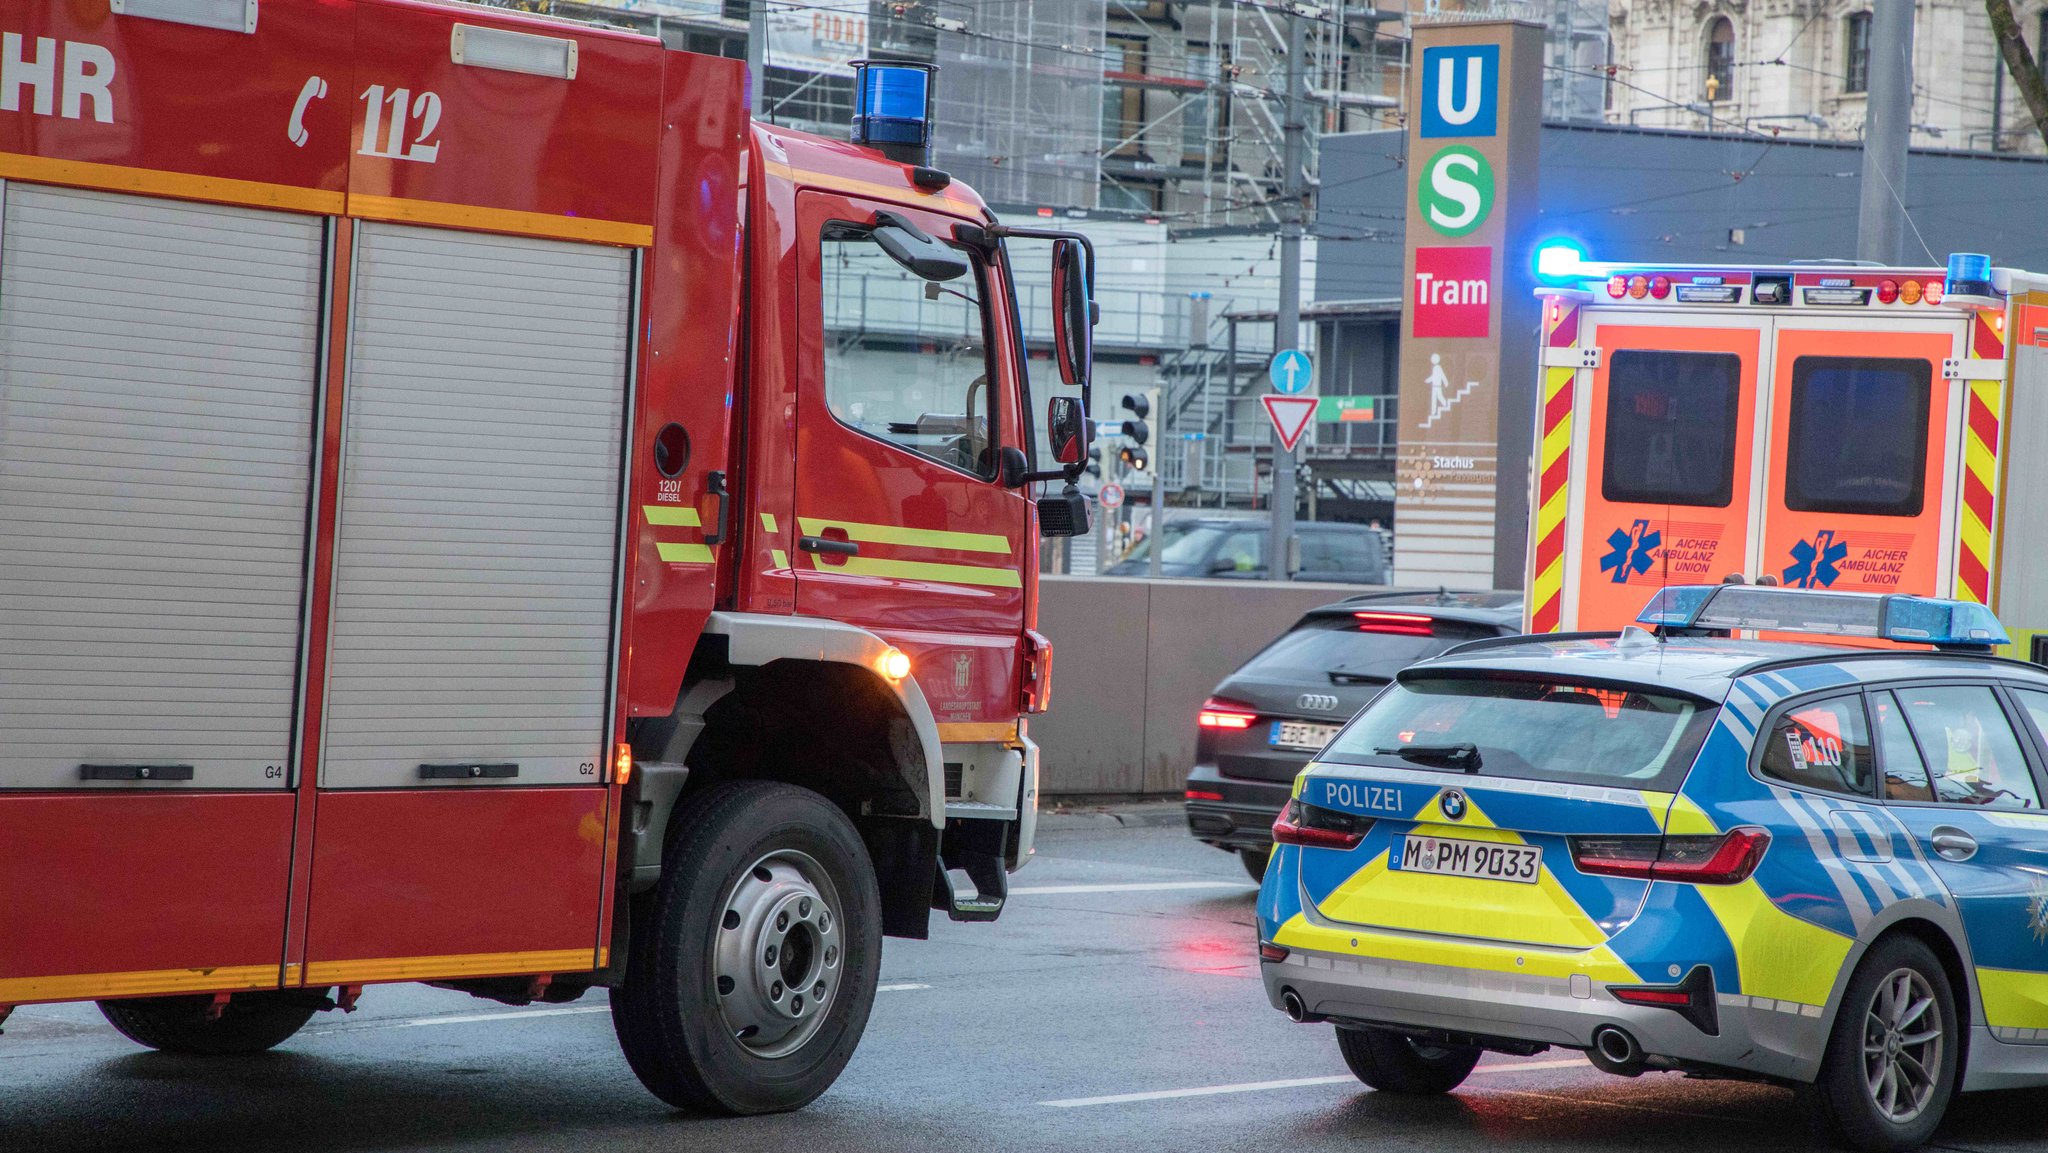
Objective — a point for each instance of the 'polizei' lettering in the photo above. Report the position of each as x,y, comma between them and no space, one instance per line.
85,78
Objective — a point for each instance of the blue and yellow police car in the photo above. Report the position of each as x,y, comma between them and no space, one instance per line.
1688,847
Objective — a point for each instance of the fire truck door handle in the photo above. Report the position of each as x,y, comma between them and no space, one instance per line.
467,771
835,547
716,483
135,772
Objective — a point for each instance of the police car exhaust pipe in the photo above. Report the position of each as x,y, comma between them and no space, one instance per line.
1614,1051
1297,1011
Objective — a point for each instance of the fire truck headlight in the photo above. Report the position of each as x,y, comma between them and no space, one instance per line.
893,664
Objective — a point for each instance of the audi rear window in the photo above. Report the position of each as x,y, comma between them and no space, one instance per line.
1336,650
1544,730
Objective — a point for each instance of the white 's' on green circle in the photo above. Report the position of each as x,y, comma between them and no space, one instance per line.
1456,192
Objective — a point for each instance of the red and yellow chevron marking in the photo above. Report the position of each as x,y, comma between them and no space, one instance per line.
1553,472
1983,410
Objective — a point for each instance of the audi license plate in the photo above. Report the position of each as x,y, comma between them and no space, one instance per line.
1522,863
1301,735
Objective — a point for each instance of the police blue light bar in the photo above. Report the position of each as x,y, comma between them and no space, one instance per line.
892,108
1886,616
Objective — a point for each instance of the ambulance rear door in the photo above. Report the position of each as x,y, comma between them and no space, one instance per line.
1864,450
1669,427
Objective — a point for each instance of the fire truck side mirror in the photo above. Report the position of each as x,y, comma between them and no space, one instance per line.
1073,313
923,254
1066,426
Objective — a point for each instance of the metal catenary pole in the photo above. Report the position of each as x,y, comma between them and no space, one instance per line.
1887,126
757,53
1287,329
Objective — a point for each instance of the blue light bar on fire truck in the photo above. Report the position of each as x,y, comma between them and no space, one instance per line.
892,108
1684,609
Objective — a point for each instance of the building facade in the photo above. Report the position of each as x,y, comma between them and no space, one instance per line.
1802,68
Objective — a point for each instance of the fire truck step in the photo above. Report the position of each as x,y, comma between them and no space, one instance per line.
973,886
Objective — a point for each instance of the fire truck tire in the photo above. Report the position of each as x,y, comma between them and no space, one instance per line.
753,963
250,1023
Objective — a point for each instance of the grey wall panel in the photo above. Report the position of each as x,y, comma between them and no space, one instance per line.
158,368
480,491
1132,662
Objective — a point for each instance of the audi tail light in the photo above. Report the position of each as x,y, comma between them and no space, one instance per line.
1396,624
1219,714
1724,859
1315,827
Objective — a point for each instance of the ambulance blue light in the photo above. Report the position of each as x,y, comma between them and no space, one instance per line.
1969,274
1560,260
892,108
1892,617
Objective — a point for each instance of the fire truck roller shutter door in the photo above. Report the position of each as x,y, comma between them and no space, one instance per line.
480,488
158,369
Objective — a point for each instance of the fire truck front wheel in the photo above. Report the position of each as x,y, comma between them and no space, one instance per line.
752,964
248,1023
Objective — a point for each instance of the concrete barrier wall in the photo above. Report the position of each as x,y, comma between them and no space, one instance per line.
1132,662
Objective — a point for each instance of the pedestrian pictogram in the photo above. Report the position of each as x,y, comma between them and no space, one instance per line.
1291,416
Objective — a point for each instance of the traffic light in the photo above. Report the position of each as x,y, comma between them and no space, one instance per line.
1133,457
1137,430
1094,460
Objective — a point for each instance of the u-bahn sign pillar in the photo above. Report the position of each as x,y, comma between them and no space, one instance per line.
1468,338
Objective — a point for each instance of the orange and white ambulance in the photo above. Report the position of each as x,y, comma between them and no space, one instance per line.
1826,426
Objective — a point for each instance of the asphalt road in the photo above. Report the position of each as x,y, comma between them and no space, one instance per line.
1095,1014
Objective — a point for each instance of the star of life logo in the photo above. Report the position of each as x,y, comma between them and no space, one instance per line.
1631,551
1816,563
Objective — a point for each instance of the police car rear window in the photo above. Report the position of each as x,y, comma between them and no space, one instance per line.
1857,441
1671,428
1546,730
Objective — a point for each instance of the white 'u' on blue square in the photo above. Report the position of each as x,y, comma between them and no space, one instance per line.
1459,87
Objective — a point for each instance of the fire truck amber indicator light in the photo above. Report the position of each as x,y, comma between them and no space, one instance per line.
894,664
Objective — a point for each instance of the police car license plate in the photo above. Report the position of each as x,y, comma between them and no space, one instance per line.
1301,735
1493,862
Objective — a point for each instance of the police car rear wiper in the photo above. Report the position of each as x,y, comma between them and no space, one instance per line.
1463,756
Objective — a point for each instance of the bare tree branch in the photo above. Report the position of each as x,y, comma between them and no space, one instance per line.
2005,27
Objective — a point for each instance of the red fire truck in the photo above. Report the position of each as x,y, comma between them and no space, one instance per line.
1821,425
475,509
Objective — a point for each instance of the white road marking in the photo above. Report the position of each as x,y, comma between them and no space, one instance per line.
1297,1083
1132,887
527,1014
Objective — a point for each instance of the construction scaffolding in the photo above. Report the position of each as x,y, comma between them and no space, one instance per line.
1020,98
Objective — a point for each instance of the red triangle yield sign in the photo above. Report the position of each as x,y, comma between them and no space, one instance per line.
1290,416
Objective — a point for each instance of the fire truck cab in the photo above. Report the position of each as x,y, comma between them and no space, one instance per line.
475,509
1818,425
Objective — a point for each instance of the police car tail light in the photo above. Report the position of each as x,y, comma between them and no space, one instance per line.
1725,859
1396,624
1217,714
1315,827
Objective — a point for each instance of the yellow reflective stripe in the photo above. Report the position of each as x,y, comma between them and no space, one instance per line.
768,522
1777,954
685,553
2014,1000
963,574
1599,962
91,986
977,732
1687,817
914,537
671,515
457,965
780,558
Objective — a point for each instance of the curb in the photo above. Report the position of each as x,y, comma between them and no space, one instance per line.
1147,815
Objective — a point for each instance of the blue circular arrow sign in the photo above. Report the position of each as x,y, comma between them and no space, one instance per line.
1291,372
